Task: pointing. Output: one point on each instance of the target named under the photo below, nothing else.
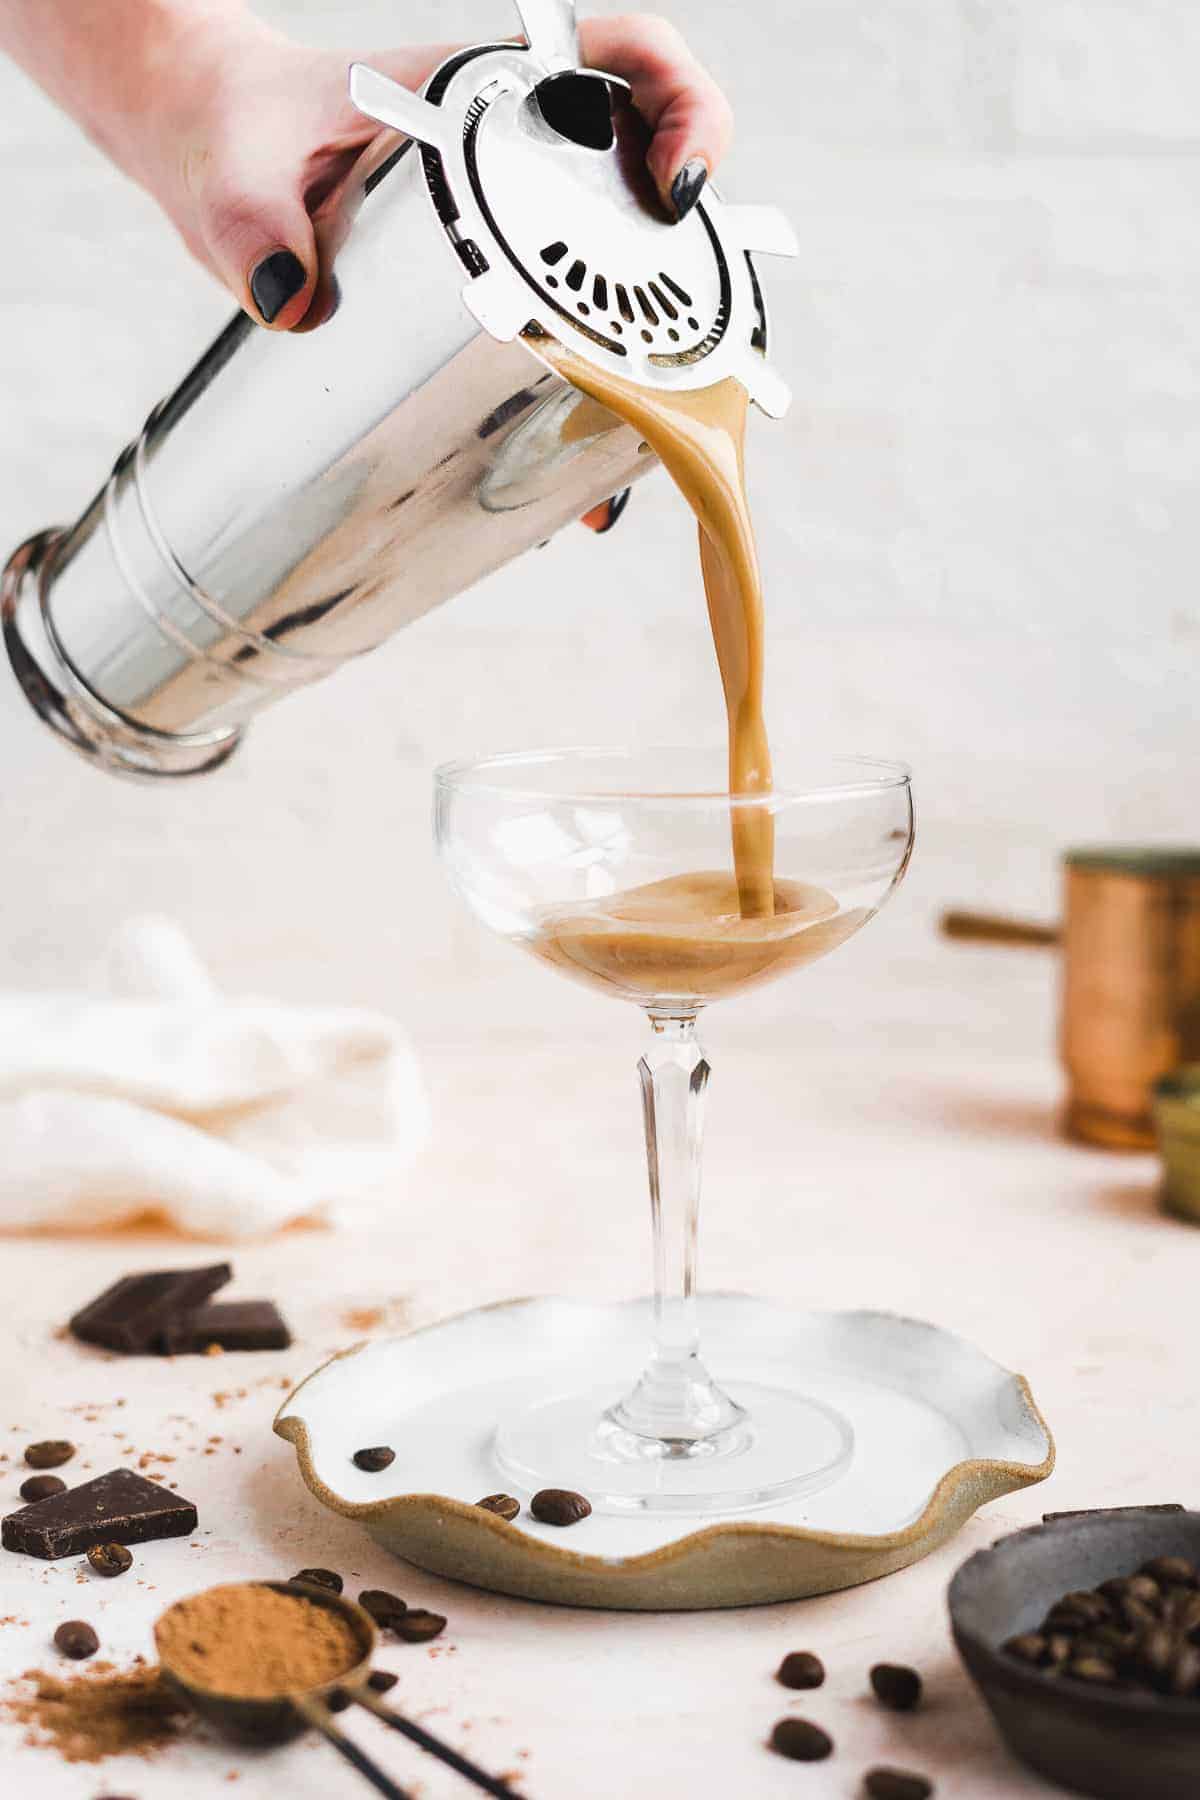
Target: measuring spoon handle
(444, 1752)
(321, 1720)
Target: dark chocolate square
(131, 1315)
(232, 1324)
(118, 1508)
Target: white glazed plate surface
(939, 1430)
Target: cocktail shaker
(298, 498)
(1130, 982)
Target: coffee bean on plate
(896, 1686)
(383, 1607)
(49, 1455)
(559, 1506)
(76, 1639)
(324, 1578)
(374, 1458)
(109, 1559)
(800, 1669)
(381, 1680)
(801, 1740)
(503, 1505)
(416, 1626)
(896, 1784)
(41, 1487)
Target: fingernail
(616, 507)
(688, 185)
(276, 280)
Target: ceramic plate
(939, 1430)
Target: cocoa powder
(102, 1711)
(250, 1642)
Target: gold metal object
(1130, 982)
(1177, 1116)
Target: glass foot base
(785, 1445)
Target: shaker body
(298, 499)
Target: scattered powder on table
(249, 1641)
(101, 1711)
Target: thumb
(263, 248)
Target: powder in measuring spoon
(250, 1642)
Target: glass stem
(676, 1402)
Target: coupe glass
(614, 867)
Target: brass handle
(993, 928)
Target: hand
(249, 133)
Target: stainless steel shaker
(298, 498)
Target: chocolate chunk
(896, 1686)
(559, 1506)
(381, 1680)
(77, 1640)
(40, 1487)
(230, 1325)
(383, 1607)
(503, 1505)
(417, 1627)
(374, 1458)
(801, 1669)
(50, 1455)
(896, 1784)
(324, 1578)
(132, 1315)
(110, 1559)
(801, 1740)
(117, 1508)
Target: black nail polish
(276, 280)
(688, 185)
(616, 507)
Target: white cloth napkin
(228, 1118)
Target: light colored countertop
(932, 1184)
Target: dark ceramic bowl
(1111, 1745)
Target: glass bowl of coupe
(614, 867)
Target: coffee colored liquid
(687, 939)
(700, 439)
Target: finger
(690, 117)
(261, 244)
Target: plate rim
(998, 1475)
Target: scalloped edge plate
(941, 1429)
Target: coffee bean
(417, 1626)
(802, 1741)
(322, 1578)
(110, 1559)
(383, 1607)
(896, 1784)
(338, 1700)
(1171, 1571)
(1187, 1615)
(41, 1487)
(1029, 1646)
(381, 1680)
(1093, 1607)
(1145, 1589)
(559, 1506)
(896, 1686)
(1063, 1617)
(503, 1505)
(374, 1458)
(1136, 1615)
(801, 1669)
(1183, 1676)
(76, 1640)
(50, 1455)
(1058, 1648)
(1154, 1652)
(1092, 1668)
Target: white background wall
(979, 523)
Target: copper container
(1130, 982)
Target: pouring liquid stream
(699, 437)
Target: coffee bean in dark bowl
(1078, 1634)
